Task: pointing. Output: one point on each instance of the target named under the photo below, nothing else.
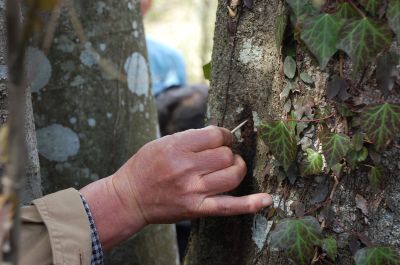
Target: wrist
(115, 216)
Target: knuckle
(216, 134)
(226, 156)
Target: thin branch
(312, 120)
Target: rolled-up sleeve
(55, 230)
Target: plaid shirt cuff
(97, 251)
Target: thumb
(224, 205)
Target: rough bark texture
(94, 108)
(32, 180)
(247, 79)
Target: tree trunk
(247, 79)
(93, 106)
(32, 180)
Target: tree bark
(247, 79)
(93, 106)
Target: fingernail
(266, 202)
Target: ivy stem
(357, 9)
(313, 120)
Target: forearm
(115, 222)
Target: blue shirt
(167, 66)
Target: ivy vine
(364, 31)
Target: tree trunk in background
(94, 108)
(246, 83)
(32, 180)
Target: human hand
(177, 177)
(181, 176)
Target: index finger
(210, 137)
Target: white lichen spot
(73, 120)
(92, 122)
(141, 107)
(135, 34)
(100, 7)
(89, 57)
(137, 72)
(260, 230)
(64, 44)
(57, 143)
(130, 6)
(3, 72)
(251, 54)
(147, 115)
(78, 81)
(103, 47)
(238, 136)
(256, 120)
(134, 24)
(239, 109)
(38, 69)
(109, 115)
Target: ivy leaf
(381, 123)
(377, 256)
(357, 141)
(346, 11)
(320, 34)
(207, 71)
(354, 157)
(393, 16)
(297, 237)
(329, 245)
(372, 6)
(335, 147)
(301, 9)
(371, 38)
(374, 177)
(312, 163)
(280, 26)
(306, 78)
(279, 136)
(289, 67)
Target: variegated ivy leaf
(320, 34)
(372, 6)
(393, 17)
(334, 146)
(363, 39)
(330, 247)
(297, 237)
(346, 11)
(381, 123)
(312, 163)
(281, 140)
(377, 256)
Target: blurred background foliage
(187, 26)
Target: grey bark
(32, 180)
(247, 79)
(93, 107)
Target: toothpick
(239, 126)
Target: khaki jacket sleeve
(55, 230)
